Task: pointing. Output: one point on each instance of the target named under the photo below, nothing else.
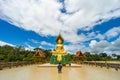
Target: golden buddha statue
(59, 50)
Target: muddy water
(50, 73)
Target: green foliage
(116, 57)
(71, 57)
(47, 54)
(97, 57)
(13, 54)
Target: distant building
(39, 54)
(79, 54)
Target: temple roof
(78, 54)
(39, 54)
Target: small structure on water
(58, 54)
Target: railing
(13, 64)
(106, 64)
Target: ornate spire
(59, 39)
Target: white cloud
(2, 43)
(98, 47)
(44, 17)
(92, 43)
(46, 43)
(100, 36)
(73, 48)
(41, 47)
(29, 47)
(105, 46)
(34, 41)
(88, 12)
(115, 46)
(113, 32)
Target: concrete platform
(55, 66)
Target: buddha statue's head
(59, 39)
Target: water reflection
(59, 76)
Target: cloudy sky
(92, 25)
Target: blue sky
(20, 37)
(92, 26)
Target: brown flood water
(50, 73)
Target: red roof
(39, 54)
(78, 54)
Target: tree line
(18, 54)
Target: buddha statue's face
(59, 41)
